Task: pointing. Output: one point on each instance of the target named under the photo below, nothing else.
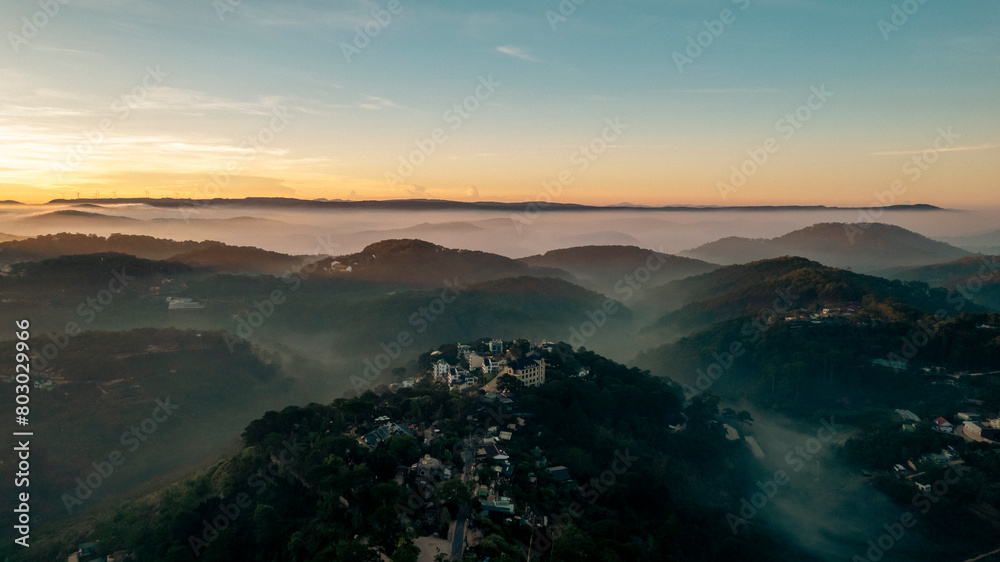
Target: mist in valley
(826, 506)
(818, 501)
(515, 234)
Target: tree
(573, 544)
(356, 552)
(520, 347)
(496, 547)
(388, 494)
(406, 553)
(404, 449)
(453, 492)
(744, 417)
(704, 407)
(486, 475)
(386, 529)
(509, 383)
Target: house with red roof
(943, 425)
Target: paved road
(458, 535)
(458, 538)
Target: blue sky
(357, 123)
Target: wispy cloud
(374, 102)
(517, 52)
(62, 51)
(52, 102)
(192, 102)
(948, 149)
(12, 110)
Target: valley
(224, 334)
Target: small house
(943, 425)
(559, 473)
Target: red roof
(941, 421)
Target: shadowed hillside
(861, 246)
(976, 278)
(779, 287)
(208, 254)
(604, 268)
(415, 262)
(102, 384)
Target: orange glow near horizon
(121, 99)
(627, 178)
(695, 176)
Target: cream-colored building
(529, 369)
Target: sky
(728, 102)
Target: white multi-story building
(493, 365)
(460, 378)
(441, 369)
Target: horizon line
(533, 206)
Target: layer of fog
(826, 506)
(831, 511)
(514, 234)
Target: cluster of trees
(299, 491)
(346, 311)
(304, 489)
(810, 370)
(640, 491)
(952, 511)
(92, 268)
(740, 290)
(880, 445)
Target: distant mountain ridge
(207, 254)
(987, 242)
(866, 247)
(55, 217)
(432, 204)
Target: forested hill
(623, 485)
